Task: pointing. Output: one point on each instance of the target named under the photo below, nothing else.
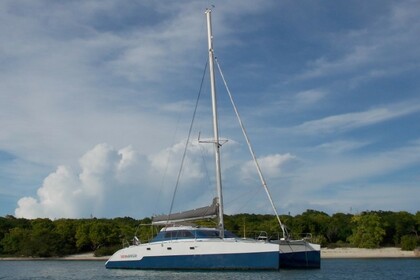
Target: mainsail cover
(190, 215)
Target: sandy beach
(86, 256)
(366, 253)
(78, 257)
(337, 253)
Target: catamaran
(182, 246)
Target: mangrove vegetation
(53, 238)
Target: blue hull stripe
(310, 259)
(249, 261)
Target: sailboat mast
(215, 123)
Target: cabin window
(184, 234)
(148, 249)
(168, 234)
(207, 233)
(169, 248)
(178, 234)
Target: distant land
(368, 234)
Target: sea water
(331, 269)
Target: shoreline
(337, 253)
(361, 253)
(77, 257)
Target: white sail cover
(190, 215)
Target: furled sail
(190, 215)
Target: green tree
(405, 225)
(83, 242)
(9, 222)
(44, 242)
(339, 228)
(15, 242)
(5, 226)
(66, 234)
(417, 226)
(409, 242)
(99, 234)
(396, 225)
(311, 222)
(369, 232)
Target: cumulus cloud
(168, 161)
(104, 172)
(272, 165)
(75, 74)
(117, 182)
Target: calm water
(331, 269)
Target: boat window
(169, 234)
(213, 234)
(178, 234)
(207, 234)
(185, 233)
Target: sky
(97, 97)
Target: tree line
(53, 238)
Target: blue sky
(96, 98)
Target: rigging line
(186, 145)
(202, 151)
(267, 191)
(167, 163)
(251, 194)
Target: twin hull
(299, 254)
(227, 254)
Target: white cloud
(355, 198)
(310, 97)
(349, 121)
(381, 48)
(60, 92)
(301, 101)
(114, 182)
(340, 181)
(56, 198)
(168, 161)
(348, 63)
(65, 193)
(74, 74)
(341, 146)
(332, 171)
(272, 165)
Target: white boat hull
(199, 254)
(232, 254)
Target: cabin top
(188, 232)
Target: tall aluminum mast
(215, 123)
